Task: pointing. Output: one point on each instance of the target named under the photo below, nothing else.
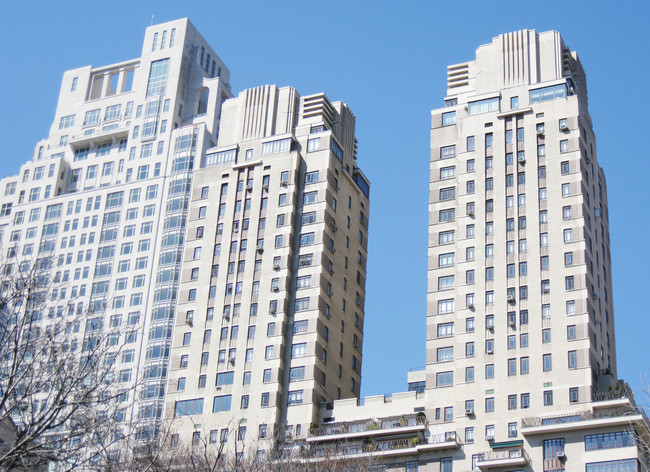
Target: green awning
(501, 445)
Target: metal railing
(614, 394)
(580, 416)
(388, 423)
(500, 455)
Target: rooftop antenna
(151, 21)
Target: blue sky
(387, 60)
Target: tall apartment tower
(520, 317)
(272, 288)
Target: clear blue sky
(387, 60)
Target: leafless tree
(168, 453)
(59, 397)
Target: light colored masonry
(227, 244)
(521, 360)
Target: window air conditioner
(521, 159)
(470, 306)
(249, 187)
(489, 325)
(272, 311)
(512, 324)
(564, 127)
(265, 187)
(511, 298)
(470, 214)
(232, 361)
(275, 289)
(489, 436)
(284, 183)
(469, 411)
(540, 132)
(546, 290)
(560, 455)
(276, 266)
(490, 351)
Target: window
(614, 440)
(489, 405)
(446, 306)
(564, 145)
(449, 118)
(564, 168)
(512, 402)
(512, 367)
(569, 282)
(571, 332)
(445, 330)
(446, 282)
(548, 397)
(447, 172)
(444, 379)
(489, 371)
(547, 363)
(524, 367)
(470, 143)
(568, 235)
(469, 374)
(566, 190)
(546, 335)
(448, 193)
(444, 237)
(222, 403)
(447, 215)
(512, 430)
(446, 260)
(447, 152)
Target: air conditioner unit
(512, 324)
(470, 306)
(232, 361)
(469, 411)
(276, 266)
(490, 325)
(226, 317)
(511, 298)
(470, 214)
(564, 127)
(560, 455)
(489, 436)
(272, 311)
(540, 131)
(334, 228)
(284, 183)
(490, 351)
(249, 187)
(188, 321)
(265, 187)
(275, 289)
(521, 159)
(260, 248)
(546, 290)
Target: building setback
(520, 352)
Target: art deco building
(270, 307)
(521, 360)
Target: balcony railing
(580, 416)
(614, 394)
(501, 455)
(360, 427)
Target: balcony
(386, 447)
(94, 136)
(508, 458)
(583, 420)
(345, 431)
